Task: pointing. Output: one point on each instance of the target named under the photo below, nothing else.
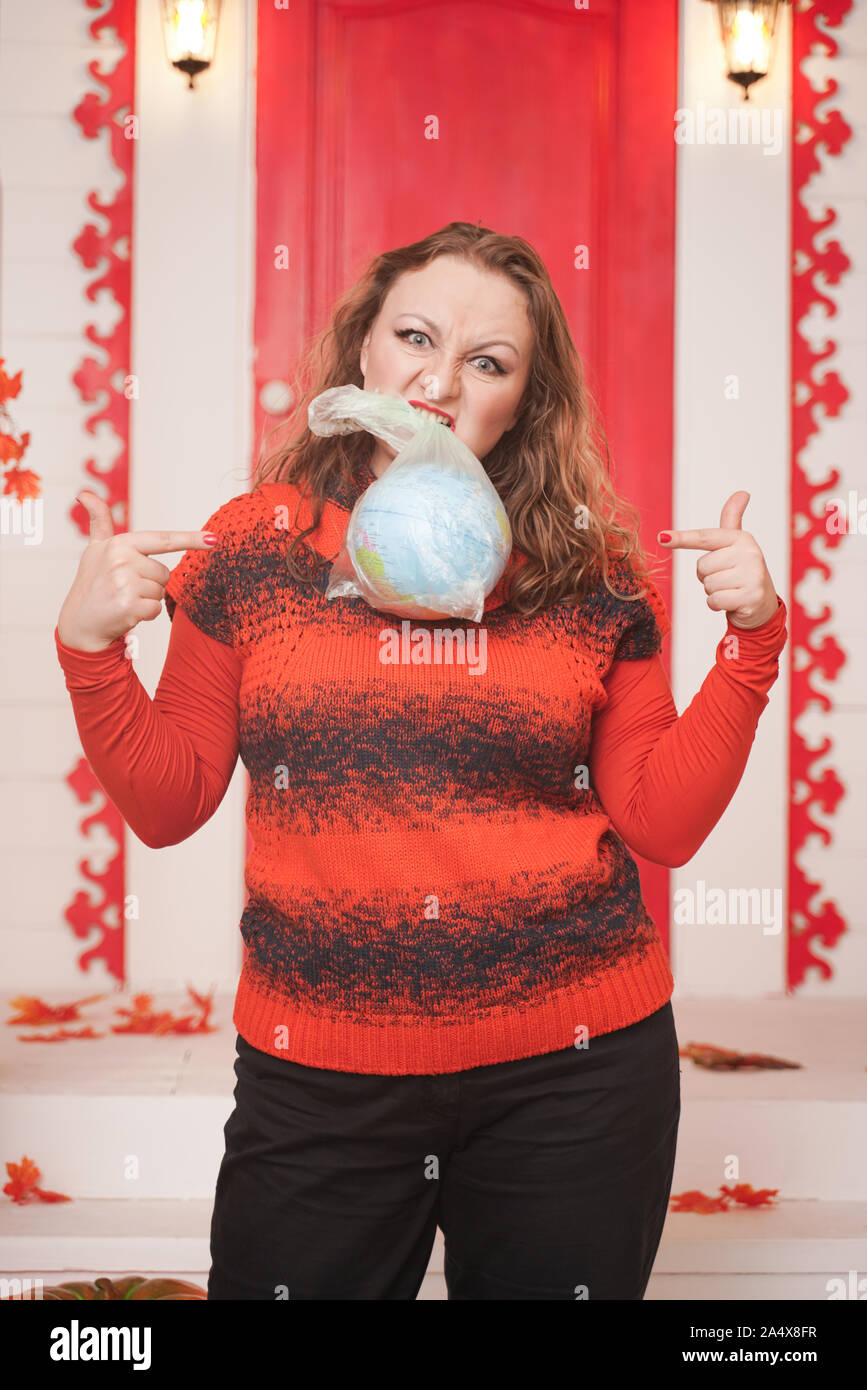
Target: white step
(794, 1251)
(142, 1117)
(801, 1131)
(95, 1115)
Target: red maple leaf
(727, 1059)
(141, 1018)
(698, 1202)
(745, 1194)
(60, 1035)
(22, 1187)
(9, 385)
(33, 1010)
(23, 482)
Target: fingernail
(664, 537)
(209, 538)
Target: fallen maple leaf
(60, 1035)
(204, 1001)
(32, 1010)
(22, 1186)
(743, 1194)
(698, 1202)
(726, 1059)
(142, 1019)
(746, 1195)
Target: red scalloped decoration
(96, 380)
(816, 394)
(105, 913)
(107, 249)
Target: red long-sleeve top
(441, 873)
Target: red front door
(379, 122)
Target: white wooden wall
(732, 299)
(733, 318)
(191, 336)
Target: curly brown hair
(548, 468)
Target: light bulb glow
(750, 41)
(190, 20)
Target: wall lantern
(747, 28)
(190, 30)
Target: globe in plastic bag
(430, 538)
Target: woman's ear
(362, 360)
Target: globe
(425, 538)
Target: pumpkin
(132, 1287)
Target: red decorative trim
(810, 655)
(103, 382)
(106, 914)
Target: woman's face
(457, 338)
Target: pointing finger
(707, 538)
(161, 542)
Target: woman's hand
(117, 585)
(734, 575)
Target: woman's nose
(440, 384)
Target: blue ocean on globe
(422, 534)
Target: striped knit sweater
(441, 873)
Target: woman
(455, 1008)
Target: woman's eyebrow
(492, 342)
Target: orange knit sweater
(440, 874)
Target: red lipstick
(435, 410)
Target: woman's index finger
(706, 538)
(161, 542)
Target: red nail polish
(209, 538)
(664, 537)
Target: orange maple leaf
(60, 1035)
(22, 481)
(142, 1019)
(743, 1193)
(727, 1059)
(204, 1001)
(748, 1196)
(698, 1202)
(22, 1186)
(33, 1010)
(9, 385)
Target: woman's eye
(407, 333)
(494, 368)
(499, 370)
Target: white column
(191, 440)
(732, 330)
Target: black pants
(549, 1176)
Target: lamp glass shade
(190, 31)
(747, 28)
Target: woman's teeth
(432, 414)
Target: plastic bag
(428, 539)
